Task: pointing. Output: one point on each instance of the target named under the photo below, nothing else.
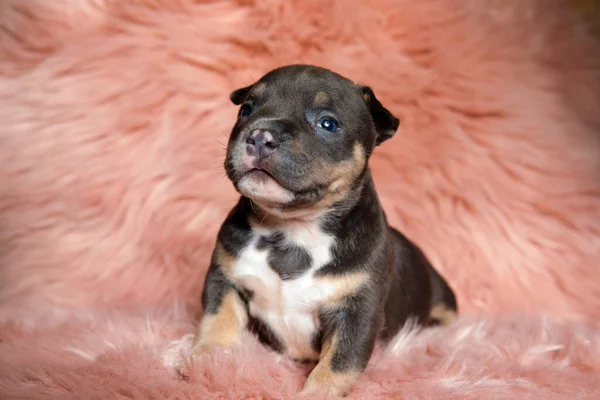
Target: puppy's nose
(261, 143)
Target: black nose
(261, 143)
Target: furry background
(114, 119)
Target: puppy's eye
(245, 110)
(328, 124)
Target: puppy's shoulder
(407, 252)
(235, 232)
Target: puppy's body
(306, 258)
(277, 271)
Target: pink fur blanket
(114, 115)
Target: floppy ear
(237, 96)
(385, 123)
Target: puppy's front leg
(225, 316)
(349, 336)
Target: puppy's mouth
(260, 185)
(262, 174)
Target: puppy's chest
(278, 268)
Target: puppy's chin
(263, 189)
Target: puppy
(306, 258)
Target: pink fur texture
(110, 355)
(114, 116)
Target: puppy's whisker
(263, 219)
(221, 143)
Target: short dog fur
(306, 258)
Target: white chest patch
(288, 307)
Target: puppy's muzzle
(261, 143)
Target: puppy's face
(303, 138)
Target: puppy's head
(303, 138)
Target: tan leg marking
(223, 259)
(225, 328)
(343, 286)
(443, 314)
(324, 380)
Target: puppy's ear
(238, 95)
(385, 123)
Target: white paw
(174, 356)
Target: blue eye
(328, 124)
(245, 110)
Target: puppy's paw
(183, 362)
(182, 365)
(312, 389)
(172, 357)
(325, 382)
(326, 392)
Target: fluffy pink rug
(123, 356)
(113, 118)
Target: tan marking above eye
(321, 98)
(259, 88)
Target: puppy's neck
(363, 191)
